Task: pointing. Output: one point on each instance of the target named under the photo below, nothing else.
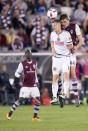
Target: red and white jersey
(75, 31)
(60, 41)
(28, 72)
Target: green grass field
(70, 118)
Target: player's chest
(29, 68)
(59, 40)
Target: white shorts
(73, 60)
(27, 92)
(60, 65)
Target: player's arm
(69, 41)
(53, 50)
(36, 73)
(52, 44)
(79, 36)
(18, 74)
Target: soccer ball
(52, 13)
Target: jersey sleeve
(78, 30)
(68, 38)
(19, 70)
(36, 77)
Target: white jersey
(60, 41)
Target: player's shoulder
(23, 62)
(72, 23)
(53, 33)
(65, 33)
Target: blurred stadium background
(24, 24)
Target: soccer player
(77, 39)
(61, 44)
(28, 70)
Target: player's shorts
(60, 64)
(28, 92)
(73, 60)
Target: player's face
(28, 55)
(64, 23)
(57, 26)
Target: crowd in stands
(24, 23)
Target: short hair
(64, 16)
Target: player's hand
(74, 49)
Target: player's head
(28, 54)
(57, 25)
(64, 19)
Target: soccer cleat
(36, 119)
(61, 100)
(8, 115)
(54, 100)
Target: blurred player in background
(61, 44)
(28, 70)
(77, 39)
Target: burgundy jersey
(29, 73)
(72, 30)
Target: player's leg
(14, 107)
(54, 88)
(60, 82)
(74, 84)
(35, 94)
(74, 81)
(65, 89)
(24, 93)
(56, 65)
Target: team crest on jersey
(58, 39)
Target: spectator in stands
(17, 45)
(42, 8)
(39, 35)
(21, 33)
(85, 25)
(29, 29)
(1, 5)
(49, 3)
(79, 14)
(18, 18)
(85, 31)
(45, 97)
(3, 41)
(22, 5)
(11, 35)
(41, 3)
(6, 16)
(31, 6)
(4, 84)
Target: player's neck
(29, 60)
(59, 31)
